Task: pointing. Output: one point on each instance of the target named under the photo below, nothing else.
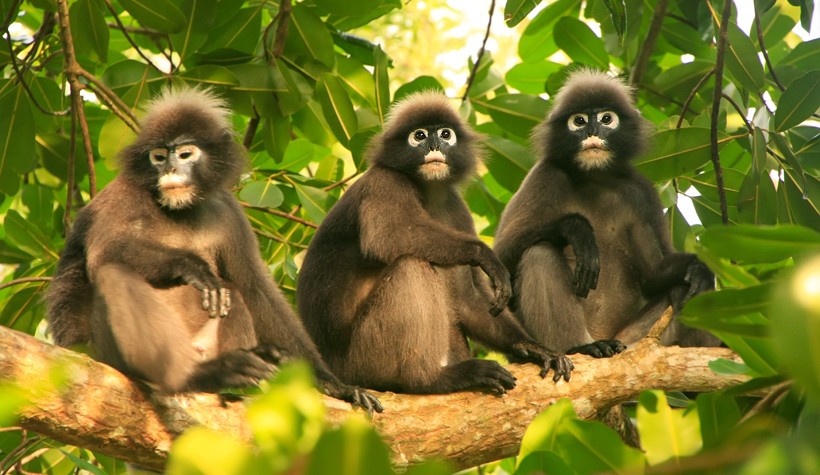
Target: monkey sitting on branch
(161, 272)
(585, 239)
(392, 284)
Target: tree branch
(474, 70)
(102, 410)
(721, 51)
(649, 45)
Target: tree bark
(100, 409)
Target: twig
(692, 96)
(250, 132)
(279, 239)
(764, 51)
(649, 44)
(768, 401)
(111, 99)
(128, 37)
(24, 280)
(661, 325)
(341, 182)
(721, 51)
(740, 112)
(282, 27)
(474, 70)
(279, 213)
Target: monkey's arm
(679, 269)
(394, 224)
(571, 229)
(69, 294)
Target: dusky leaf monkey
(162, 271)
(585, 239)
(393, 281)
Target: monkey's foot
(599, 349)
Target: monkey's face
(175, 166)
(432, 146)
(593, 130)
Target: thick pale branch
(102, 410)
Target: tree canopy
(735, 158)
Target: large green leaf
(200, 17)
(309, 36)
(262, 193)
(676, 152)
(757, 200)
(748, 243)
(543, 430)
(315, 201)
(336, 108)
(515, 113)
(16, 139)
(591, 448)
(88, 28)
(300, 153)
(357, 79)
(775, 26)
(28, 237)
(742, 60)
(800, 100)
(240, 33)
(531, 78)
(162, 15)
(580, 43)
(538, 42)
(666, 433)
(421, 83)
(718, 416)
(128, 73)
(211, 75)
(381, 83)
(729, 303)
(805, 56)
(353, 449)
(509, 162)
(517, 10)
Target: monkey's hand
(699, 278)
(545, 358)
(357, 397)
(581, 237)
(499, 278)
(195, 272)
(598, 349)
(234, 369)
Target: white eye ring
(189, 152)
(416, 137)
(447, 135)
(577, 122)
(158, 155)
(608, 119)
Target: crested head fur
(187, 115)
(427, 108)
(587, 89)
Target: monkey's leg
(549, 307)
(142, 330)
(400, 337)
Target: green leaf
(543, 430)
(800, 100)
(543, 461)
(262, 193)
(128, 73)
(530, 78)
(718, 417)
(381, 83)
(211, 75)
(28, 237)
(742, 60)
(276, 135)
(728, 303)
(538, 42)
(757, 200)
(591, 447)
(679, 80)
(728, 367)
(617, 13)
(88, 28)
(200, 17)
(315, 201)
(517, 10)
(580, 43)
(666, 434)
(240, 33)
(676, 152)
(752, 244)
(224, 453)
(353, 449)
(308, 35)
(805, 56)
(336, 108)
(515, 113)
(16, 139)
(162, 15)
(509, 162)
(300, 153)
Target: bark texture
(100, 409)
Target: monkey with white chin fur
(585, 238)
(394, 280)
(161, 272)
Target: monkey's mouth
(434, 157)
(435, 166)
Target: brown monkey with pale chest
(392, 284)
(162, 271)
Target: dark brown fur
(126, 278)
(390, 288)
(589, 250)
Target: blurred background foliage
(311, 81)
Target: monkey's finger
(224, 302)
(206, 299)
(213, 303)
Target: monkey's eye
(577, 121)
(158, 155)
(188, 152)
(608, 119)
(416, 137)
(447, 135)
